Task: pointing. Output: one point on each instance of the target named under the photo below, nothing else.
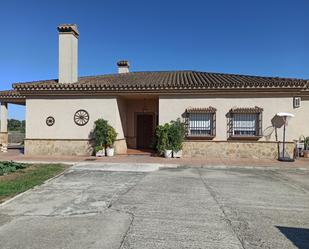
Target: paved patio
(97, 207)
(302, 163)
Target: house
(227, 115)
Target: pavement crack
(132, 216)
(214, 196)
(117, 195)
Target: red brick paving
(15, 155)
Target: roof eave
(166, 91)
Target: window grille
(201, 122)
(245, 122)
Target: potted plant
(110, 139)
(163, 142)
(105, 136)
(100, 134)
(168, 153)
(176, 135)
(99, 151)
(306, 147)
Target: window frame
(197, 111)
(245, 111)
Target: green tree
(16, 125)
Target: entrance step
(137, 152)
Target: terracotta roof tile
(255, 109)
(11, 94)
(165, 80)
(209, 109)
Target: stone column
(4, 123)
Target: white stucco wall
(172, 107)
(4, 117)
(63, 110)
(68, 58)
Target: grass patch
(7, 167)
(26, 178)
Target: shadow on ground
(298, 236)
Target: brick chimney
(68, 53)
(123, 66)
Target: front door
(144, 131)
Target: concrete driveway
(93, 206)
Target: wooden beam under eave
(15, 101)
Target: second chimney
(123, 66)
(68, 52)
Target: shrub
(7, 167)
(111, 136)
(163, 141)
(170, 136)
(104, 134)
(98, 148)
(100, 132)
(177, 133)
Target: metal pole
(283, 151)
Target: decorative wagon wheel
(50, 121)
(81, 117)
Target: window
(296, 102)
(245, 122)
(200, 122)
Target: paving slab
(77, 232)
(267, 209)
(75, 192)
(171, 208)
(70, 211)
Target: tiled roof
(209, 109)
(11, 94)
(255, 109)
(123, 63)
(68, 28)
(165, 80)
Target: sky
(254, 37)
